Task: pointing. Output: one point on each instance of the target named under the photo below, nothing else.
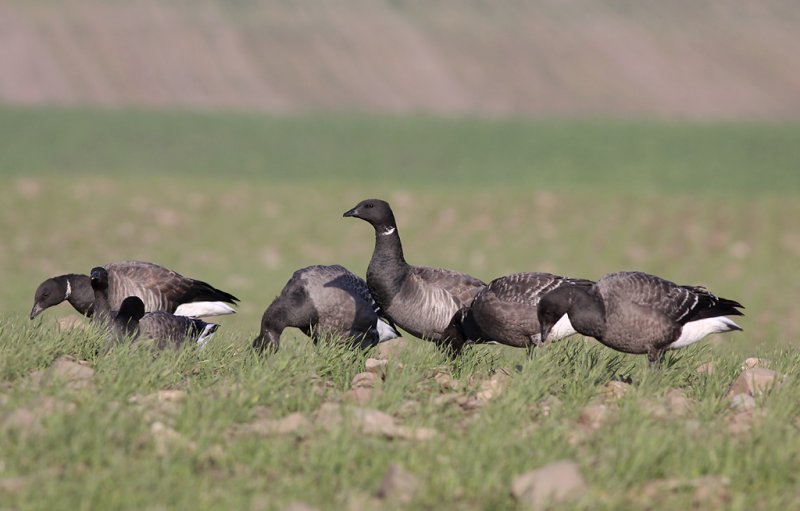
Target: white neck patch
(389, 231)
(69, 290)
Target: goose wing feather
(159, 288)
(678, 303)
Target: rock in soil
(553, 483)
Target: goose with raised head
(324, 301)
(505, 312)
(635, 312)
(132, 322)
(418, 299)
(159, 288)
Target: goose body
(418, 299)
(132, 322)
(635, 312)
(505, 311)
(324, 301)
(159, 288)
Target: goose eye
(368, 205)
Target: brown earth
(682, 58)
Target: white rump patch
(203, 309)
(385, 331)
(693, 331)
(562, 328)
(389, 231)
(208, 333)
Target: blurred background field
(244, 200)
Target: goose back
(159, 288)
(323, 301)
(505, 310)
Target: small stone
(743, 402)
(391, 349)
(398, 485)
(408, 407)
(751, 362)
(740, 424)
(159, 406)
(708, 492)
(294, 423)
(494, 386)
(376, 366)
(616, 390)
(12, 485)
(706, 368)
(753, 381)
(76, 374)
(361, 395)
(413, 433)
(594, 415)
(553, 483)
(446, 399)
(172, 396)
(446, 380)
(329, 415)
(374, 422)
(167, 439)
(22, 419)
(677, 403)
(369, 421)
(364, 380)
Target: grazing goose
(635, 312)
(324, 301)
(418, 299)
(505, 312)
(132, 322)
(159, 288)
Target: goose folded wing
(681, 304)
(529, 288)
(159, 288)
(461, 287)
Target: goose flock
(631, 312)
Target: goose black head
(131, 307)
(552, 308)
(126, 323)
(49, 293)
(375, 211)
(268, 340)
(99, 277)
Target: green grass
(101, 453)
(592, 155)
(242, 201)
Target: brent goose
(505, 312)
(636, 312)
(159, 288)
(131, 322)
(418, 299)
(324, 301)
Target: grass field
(242, 201)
